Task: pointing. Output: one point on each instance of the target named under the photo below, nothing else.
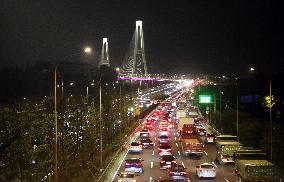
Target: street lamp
(237, 94)
(221, 111)
(86, 50)
(101, 132)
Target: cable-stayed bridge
(134, 62)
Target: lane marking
(154, 144)
(155, 138)
(205, 152)
(214, 164)
(178, 152)
(153, 152)
(226, 180)
(174, 133)
(119, 166)
(151, 164)
(182, 164)
(150, 179)
(175, 138)
(176, 144)
(188, 180)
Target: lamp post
(270, 118)
(237, 95)
(55, 123)
(221, 111)
(101, 132)
(86, 50)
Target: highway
(151, 161)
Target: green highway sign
(203, 99)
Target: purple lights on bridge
(140, 79)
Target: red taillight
(174, 162)
(183, 173)
(127, 164)
(163, 161)
(138, 164)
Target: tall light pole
(101, 128)
(87, 50)
(55, 123)
(270, 118)
(221, 111)
(237, 93)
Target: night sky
(181, 36)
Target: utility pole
(270, 118)
(221, 111)
(55, 127)
(237, 89)
(101, 128)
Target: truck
(180, 113)
(192, 113)
(184, 121)
(226, 146)
(191, 144)
(181, 104)
(251, 165)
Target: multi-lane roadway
(151, 163)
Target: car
(168, 179)
(135, 147)
(152, 121)
(210, 138)
(200, 131)
(164, 139)
(164, 131)
(146, 143)
(148, 126)
(144, 133)
(167, 161)
(134, 165)
(161, 179)
(177, 172)
(127, 177)
(165, 149)
(206, 170)
(164, 122)
(164, 126)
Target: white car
(135, 147)
(127, 177)
(134, 165)
(206, 170)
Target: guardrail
(209, 125)
(117, 155)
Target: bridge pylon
(104, 58)
(134, 63)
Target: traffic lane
(224, 173)
(149, 155)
